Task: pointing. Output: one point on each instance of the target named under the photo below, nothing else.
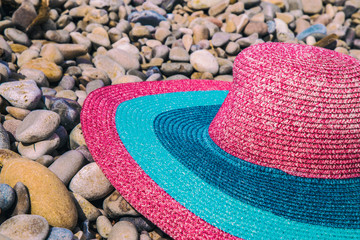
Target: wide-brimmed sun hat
(273, 155)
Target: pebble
(204, 61)
(76, 137)
(86, 211)
(26, 56)
(123, 230)
(232, 49)
(219, 39)
(116, 206)
(161, 34)
(68, 110)
(126, 60)
(4, 138)
(178, 54)
(200, 33)
(38, 149)
(127, 79)
(57, 233)
(147, 17)
(25, 227)
(140, 223)
(17, 36)
(90, 183)
(67, 82)
(67, 165)
(317, 30)
(18, 113)
(7, 197)
(45, 160)
(22, 200)
(38, 125)
(50, 69)
(103, 226)
(256, 27)
(24, 15)
(52, 53)
(49, 197)
(36, 75)
(99, 37)
(169, 69)
(10, 126)
(71, 51)
(23, 94)
(69, 94)
(113, 69)
(312, 6)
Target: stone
(67, 165)
(127, 79)
(220, 39)
(76, 138)
(85, 152)
(269, 10)
(4, 138)
(116, 206)
(57, 233)
(69, 94)
(96, 74)
(160, 52)
(36, 75)
(139, 32)
(45, 160)
(113, 69)
(96, 16)
(10, 127)
(50, 69)
(49, 197)
(23, 94)
(38, 125)
(93, 85)
(140, 223)
(58, 36)
(127, 61)
(148, 5)
(301, 25)
(18, 113)
(147, 17)
(78, 38)
(162, 33)
(204, 61)
(24, 15)
(123, 230)
(169, 69)
(200, 32)
(256, 27)
(99, 37)
(38, 149)
(67, 82)
(52, 53)
(7, 197)
(90, 183)
(240, 22)
(17, 36)
(232, 49)
(179, 54)
(154, 77)
(68, 110)
(85, 209)
(317, 30)
(312, 6)
(26, 56)
(23, 200)
(286, 17)
(103, 226)
(71, 51)
(355, 53)
(177, 76)
(25, 227)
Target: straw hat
(273, 155)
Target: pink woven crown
(295, 108)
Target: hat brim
(150, 140)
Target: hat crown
(295, 108)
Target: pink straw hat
(274, 155)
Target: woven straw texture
(295, 108)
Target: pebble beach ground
(54, 53)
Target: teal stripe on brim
(134, 122)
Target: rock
(123, 231)
(232, 49)
(67, 165)
(113, 69)
(162, 33)
(140, 223)
(103, 226)
(25, 227)
(67, 82)
(71, 51)
(50, 69)
(4, 138)
(220, 39)
(269, 10)
(7, 197)
(139, 32)
(58, 36)
(18, 113)
(126, 60)
(200, 32)
(23, 199)
(68, 110)
(160, 52)
(317, 30)
(256, 27)
(4, 71)
(52, 53)
(96, 74)
(218, 8)
(127, 79)
(22, 94)
(24, 15)
(10, 127)
(57, 233)
(202, 4)
(38, 125)
(178, 54)
(99, 37)
(90, 183)
(85, 209)
(312, 6)
(69, 94)
(17, 36)
(147, 17)
(226, 78)
(240, 22)
(78, 38)
(45, 160)
(49, 197)
(204, 61)
(76, 137)
(116, 206)
(177, 76)
(85, 152)
(38, 149)
(99, 16)
(154, 77)
(131, 49)
(36, 75)
(26, 56)
(176, 68)
(93, 85)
